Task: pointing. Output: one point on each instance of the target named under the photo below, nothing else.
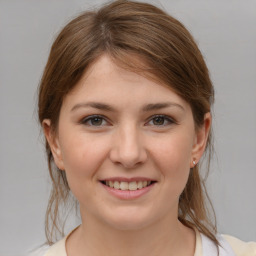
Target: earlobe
(53, 142)
(201, 139)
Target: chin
(129, 220)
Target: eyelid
(171, 120)
(84, 120)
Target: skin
(128, 140)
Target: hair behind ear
(193, 211)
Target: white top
(230, 246)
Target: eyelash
(88, 119)
(167, 120)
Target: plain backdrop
(226, 33)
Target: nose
(128, 148)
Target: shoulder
(240, 247)
(209, 248)
(40, 251)
(229, 246)
(57, 249)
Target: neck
(166, 237)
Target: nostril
(128, 152)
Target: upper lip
(127, 179)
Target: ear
(201, 138)
(53, 142)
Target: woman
(125, 105)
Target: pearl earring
(194, 163)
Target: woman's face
(119, 129)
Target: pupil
(96, 121)
(158, 120)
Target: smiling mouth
(128, 186)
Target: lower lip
(128, 194)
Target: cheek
(82, 157)
(173, 156)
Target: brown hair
(124, 30)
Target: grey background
(226, 33)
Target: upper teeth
(123, 185)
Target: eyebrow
(97, 105)
(146, 108)
(157, 106)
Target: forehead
(107, 81)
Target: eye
(94, 120)
(160, 120)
